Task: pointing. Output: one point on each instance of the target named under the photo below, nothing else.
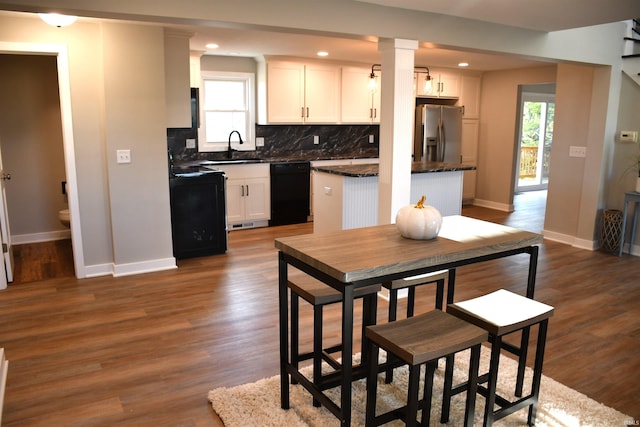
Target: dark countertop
(364, 170)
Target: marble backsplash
(290, 142)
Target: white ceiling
(543, 15)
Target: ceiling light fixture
(463, 64)
(57, 20)
(212, 46)
(323, 53)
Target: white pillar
(396, 126)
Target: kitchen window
(227, 105)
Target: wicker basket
(611, 231)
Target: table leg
(533, 266)
(624, 228)
(633, 226)
(284, 323)
(347, 352)
(451, 284)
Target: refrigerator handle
(441, 140)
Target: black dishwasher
(290, 192)
(198, 214)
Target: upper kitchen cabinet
(470, 96)
(302, 93)
(177, 78)
(444, 84)
(360, 102)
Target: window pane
(219, 125)
(224, 95)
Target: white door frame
(64, 87)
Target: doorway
(64, 89)
(535, 136)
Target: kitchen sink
(230, 162)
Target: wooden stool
(418, 340)
(501, 313)
(318, 295)
(411, 283)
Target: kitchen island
(346, 196)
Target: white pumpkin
(418, 221)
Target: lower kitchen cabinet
(248, 195)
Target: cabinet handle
(247, 190)
(375, 113)
(307, 112)
(242, 186)
(302, 112)
(371, 113)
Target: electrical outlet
(191, 143)
(123, 156)
(316, 140)
(371, 139)
(260, 141)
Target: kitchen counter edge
(365, 170)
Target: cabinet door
(375, 101)
(257, 199)
(470, 96)
(285, 92)
(449, 86)
(356, 95)
(235, 201)
(322, 93)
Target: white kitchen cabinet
(303, 93)
(177, 79)
(444, 84)
(359, 102)
(470, 96)
(469, 152)
(248, 195)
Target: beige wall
(497, 139)
(31, 144)
(117, 101)
(117, 97)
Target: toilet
(64, 217)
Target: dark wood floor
(144, 350)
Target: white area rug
(258, 404)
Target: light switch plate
(316, 139)
(123, 156)
(577, 151)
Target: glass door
(535, 138)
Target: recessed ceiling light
(323, 53)
(463, 64)
(212, 46)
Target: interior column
(396, 126)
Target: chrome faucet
(229, 149)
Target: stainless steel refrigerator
(438, 133)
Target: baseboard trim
(144, 267)
(589, 245)
(493, 205)
(21, 239)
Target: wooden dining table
(348, 259)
